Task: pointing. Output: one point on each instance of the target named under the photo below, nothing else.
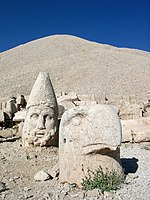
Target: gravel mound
(75, 65)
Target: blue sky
(122, 23)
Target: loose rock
(2, 186)
(42, 176)
(54, 172)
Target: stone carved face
(92, 128)
(89, 137)
(39, 125)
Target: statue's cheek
(31, 123)
(49, 124)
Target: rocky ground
(18, 167)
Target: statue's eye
(76, 121)
(47, 117)
(34, 116)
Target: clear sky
(122, 23)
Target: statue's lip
(40, 133)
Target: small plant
(16, 128)
(107, 181)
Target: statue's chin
(40, 137)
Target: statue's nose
(41, 123)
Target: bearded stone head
(41, 121)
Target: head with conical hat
(42, 92)
(41, 120)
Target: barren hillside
(75, 65)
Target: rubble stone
(41, 176)
(1, 116)
(19, 116)
(136, 130)
(2, 186)
(54, 171)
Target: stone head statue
(11, 108)
(21, 102)
(40, 126)
(89, 138)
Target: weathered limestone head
(90, 136)
(40, 126)
(11, 108)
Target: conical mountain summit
(75, 65)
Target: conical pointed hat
(42, 92)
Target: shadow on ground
(129, 165)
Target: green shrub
(107, 181)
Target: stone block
(1, 116)
(84, 103)
(67, 97)
(89, 97)
(136, 130)
(19, 116)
